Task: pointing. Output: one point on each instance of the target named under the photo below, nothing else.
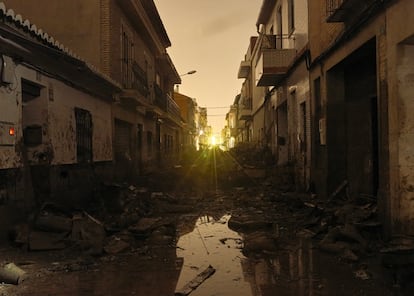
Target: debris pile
(348, 228)
(127, 218)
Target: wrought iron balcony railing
(172, 107)
(140, 81)
(166, 103)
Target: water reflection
(296, 268)
(130, 276)
(213, 243)
(289, 271)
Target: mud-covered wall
(10, 117)
(54, 111)
(405, 76)
(297, 85)
(400, 66)
(63, 125)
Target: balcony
(172, 107)
(245, 109)
(341, 10)
(245, 115)
(166, 103)
(160, 98)
(244, 69)
(140, 81)
(273, 66)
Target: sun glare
(213, 141)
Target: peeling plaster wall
(405, 85)
(400, 72)
(50, 167)
(63, 125)
(54, 110)
(10, 112)
(299, 139)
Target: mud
(260, 241)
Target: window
(127, 52)
(31, 112)
(83, 135)
(291, 15)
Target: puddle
(294, 269)
(213, 243)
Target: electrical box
(322, 131)
(7, 134)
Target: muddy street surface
(207, 227)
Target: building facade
(277, 85)
(360, 68)
(55, 122)
(188, 108)
(127, 41)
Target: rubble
(244, 222)
(88, 233)
(53, 223)
(46, 241)
(116, 245)
(144, 226)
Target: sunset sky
(211, 37)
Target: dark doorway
(352, 127)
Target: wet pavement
(213, 215)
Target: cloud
(222, 24)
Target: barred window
(83, 135)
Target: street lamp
(181, 75)
(189, 73)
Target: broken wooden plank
(343, 185)
(197, 281)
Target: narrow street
(208, 218)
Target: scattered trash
(196, 282)
(12, 274)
